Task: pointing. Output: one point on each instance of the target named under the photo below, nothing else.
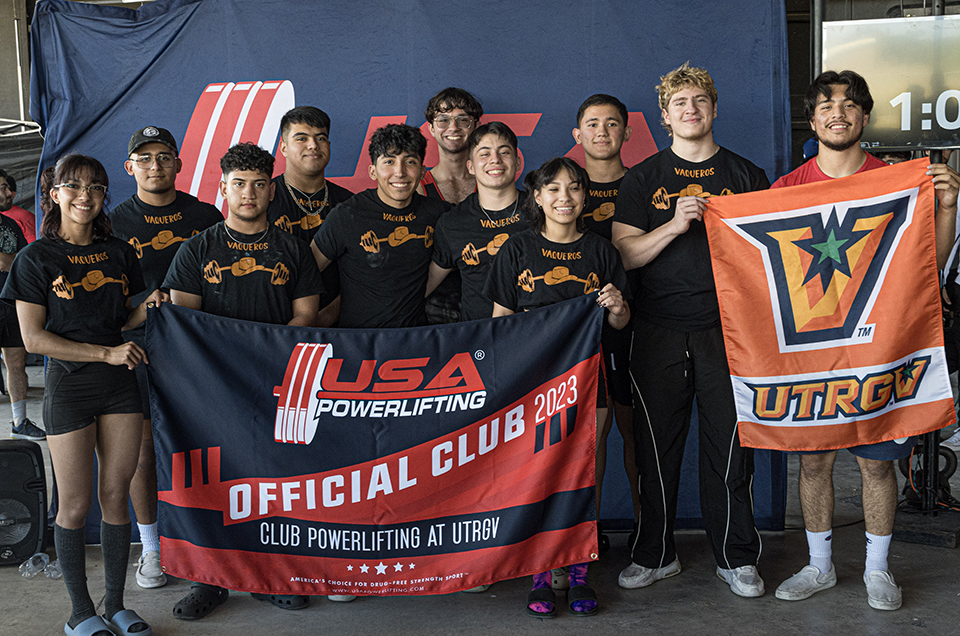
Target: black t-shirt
(384, 256)
(11, 242)
(531, 271)
(468, 238)
(156, 233)
(85, 288)
(676, 289)
(601, 207)
(294, 219)
(290, 217)
(247, 276)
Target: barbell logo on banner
(313, 387)
(823, 264)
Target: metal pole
(816, 36)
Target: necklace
(310, 211)
(258, 239)
(486, 214)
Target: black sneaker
(27, 430)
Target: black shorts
(137, 336)
(71, 400)
(615, 370)
(10, 329)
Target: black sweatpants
(669, 368)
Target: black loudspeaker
(23, 501)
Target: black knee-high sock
(115, 544)
(72, 556)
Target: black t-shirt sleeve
(26, 281)
(631, 207)
(309, 282)
(183, 272)
(442, 249)
(501, 286)
(759, 180)
(329, 238)
(11, 236)
(134, 271)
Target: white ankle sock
(19, 411)
(878, 547)
(149, 537)
(821, 549)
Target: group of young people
(299, 250)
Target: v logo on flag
(825, 266)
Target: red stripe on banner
(490, 464)
(411, 576)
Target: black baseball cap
(151, 134)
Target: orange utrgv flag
(830, 305)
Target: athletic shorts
(71, 400)
(10, 329)
(137, 336)
(889, 451)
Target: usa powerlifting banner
(392, 462)
(830, 305)
(215, 72)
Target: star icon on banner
(829, 246)
(349, 568)
(397, 567)
(910, 368)
(364, 568)
(381, 569)
(412, 566)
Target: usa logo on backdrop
(227, 113)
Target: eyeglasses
(462, 121)
(163, 159)
(95, 190)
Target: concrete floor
(694, 602)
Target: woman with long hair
(569, 261)
(72, 289)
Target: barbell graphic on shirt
(603, 213)
(93, 280)
(371, 243)
(305, 223)
(279, 275)
(163, 239)
(471, 255)
(557, 275)
(661, 200)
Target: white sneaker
(954, 442)
(744, 581)
(341, 598)
(806, 583)
(634, 576)
(149, 572)
(477, 590)
(883, 593)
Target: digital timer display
(911, 66)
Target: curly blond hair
(678, 79)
